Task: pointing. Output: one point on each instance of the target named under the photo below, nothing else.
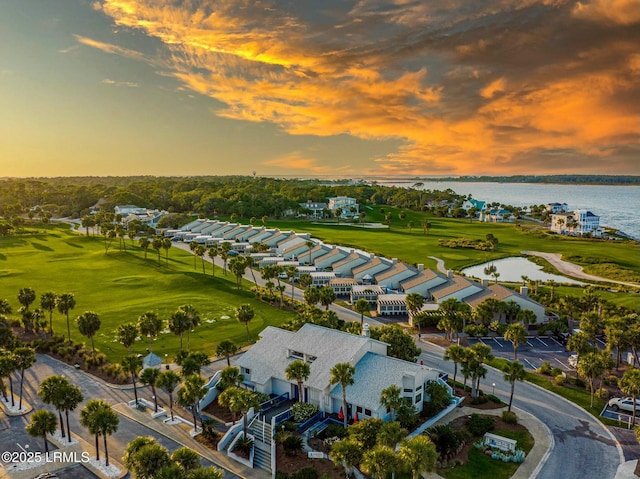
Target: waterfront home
(369, 292)
(392, 277)
(554, 208)
(367, 271)
(423, 282)
(472, 203)
(577, 222)
(317, 210)
(264, 365)
(496, 216)
(391, 304)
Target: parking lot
(533, 353)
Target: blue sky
(345, 88)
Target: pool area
(514, 268)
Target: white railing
(212, 392)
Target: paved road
(583, 447)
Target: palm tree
(414, 301)
(179, 324)
(89, 324)
(51, 392)
(48, 302)
(43, 422)
(238, 266)
(199, 251)
(299, 372)
(327, 296)
(25, 358)
(309, 244)
(166, 246)
(630, 385)
(168, 381)
(8, 365)
(193, 319)
(132, 364)
(458, 355)
(190, 393)
(517, 335)
(362, 306)
(512, 373)
(227, 348)
(126, 335)
(26, 296)
(391, 399)
(291, 272)
(150, 376)
(224, 254)
(343, 374)
(156, 244)
(150, 326)
(239, 400)
(66, 302)
(186, 459)
(213, 252)
(379, 461)
(89, 418)
(71, 398)
(418, 454)
(144, 243)
(244, 315)
(347, 452)
(193, 246)
(107, 421)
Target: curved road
(583, 446)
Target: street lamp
(494, 389)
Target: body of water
(617, 206)
(512, 270)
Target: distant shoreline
(592, 180)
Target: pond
(512, 269)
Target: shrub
(581, 383)
(556, 371)
(478, 425)
(481, 399)
(610, 381)
(305, 473)
(407, 416)
(509, 417)
(290, 426)
(602, 393)
(545, 368)
(444, 438)
(335, 430)
(438, 394)
(494, 399)
(281, 475)
(559, 380)
(302, 411)
(292, 444)
(244, 444)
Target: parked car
(573, 360)
(626, 404)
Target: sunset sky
(323, 87)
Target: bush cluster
(467, 243)
(479, 425)
(302, 411)
(509, 417)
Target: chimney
(485, 283)
(365, 330)
(394, 260)
(449, 273)
(420, 267)
(524, 291)
(351, 251)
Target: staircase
(262, 445)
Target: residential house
(332, 257)
(126, 210)
(578, 222)
(496, 215)
(500, 293)
(320, 249)
(321, 278)
(233, 234)
(391, 304)
(349, 206)
(248, 234)
(472, 203)
(345, 267)
(423, 282)
(392, 277)
(555, 208)
(293, 240)
(317, 209)
(367, 271)
(342, 286)
(264, 365)
(189, 226)
(263, 235)
(370, 292)
(456, 287)
(205, 224)
(295, 251)
(278, 238)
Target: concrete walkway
(541, 435)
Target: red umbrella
(340, 414)
(355, 418)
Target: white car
(626, 404)
(573, 360)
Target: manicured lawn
(122, 285)
(413, 246)
(481, 466)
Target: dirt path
(571, 269)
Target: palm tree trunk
(4, 390)
(155, 398)
(344, 403)
(181, 334)
(66, 413)
(135, 391)
(513, 384)
(68, 328)
(21, 384)
(106, 451)
(189, 339)
(171, 405)
(455, 373)
(247, 326)
(97, 449)
(13, 404)
(46, 445)
(51, 321)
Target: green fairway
(122, 285)
(414, 246)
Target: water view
(513, 269)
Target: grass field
(413, 246)
(122, 285)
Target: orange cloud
(298, 161)
(463, 98)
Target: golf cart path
(571, 269)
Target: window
(311, 359)
(296, 354)
(408, 390)
(359, 409)
(418, 398)
(247, 370)
(367, 412)
(419, 388)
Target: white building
(577, 222)
(345, 204)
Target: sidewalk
(180, 434)
(541, 434)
